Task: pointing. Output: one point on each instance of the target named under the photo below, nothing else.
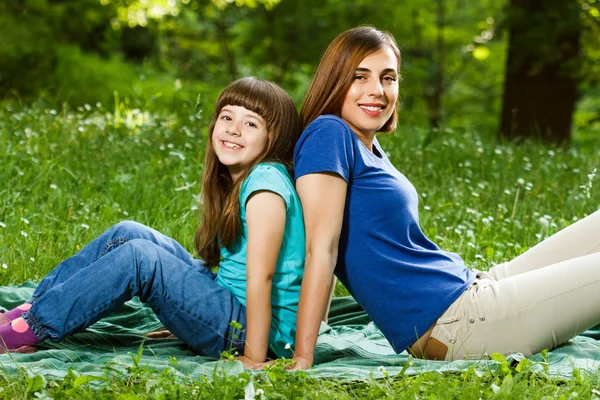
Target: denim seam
(113, 244)
(37, 329)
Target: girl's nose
(234, 129)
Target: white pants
(537, 301)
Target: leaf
(83, 379)
(36, 383)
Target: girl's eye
(359, 77)
(226, 117)
(389, 78)
(252, 124)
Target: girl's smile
(239, 138)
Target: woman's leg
(525, 313)
(186, 299)
(111, 239)
(576, 240)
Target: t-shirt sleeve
(325, 146)
(266, 178)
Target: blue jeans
(127, 260)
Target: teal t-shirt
(285, 292)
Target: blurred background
(514, 68)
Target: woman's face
(371, 99)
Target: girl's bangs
(253, 95)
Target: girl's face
(371, 99)
(239, 138)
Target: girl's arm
(323, 198)
(265, 219)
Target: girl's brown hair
(220, 224)
(335, 72)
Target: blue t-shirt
(402, 280)
(285, 291)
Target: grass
(68, 174)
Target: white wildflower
(24, 234)
(544, 222)
(4, 266)
(521, 181)
(85, 226)
(2, 224)
(53, 186)
(25, 221)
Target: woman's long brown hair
(335, 72)
(220, 224)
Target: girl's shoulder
(269, 176)
(269, 169)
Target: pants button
(482, 319)
(472, 320)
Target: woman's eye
(389, 78)
(359, 77)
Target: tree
(540, 89)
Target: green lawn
(66, 175)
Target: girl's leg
(186, 299)
(111, 239)
(526, 313)
(576, 240)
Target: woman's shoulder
(328, 129)
(327, 122)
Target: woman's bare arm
(323, 198)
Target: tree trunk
(540, 86)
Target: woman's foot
(17, 336)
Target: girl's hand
(301, 363)
(248, 363)
(162, 334)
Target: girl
(252, 228)
(361, 217)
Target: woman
(361, 220)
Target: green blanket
(351, 346)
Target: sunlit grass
(66, 175)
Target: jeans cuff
(38, 330)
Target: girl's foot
(17, 336)
(13, 314)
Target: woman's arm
(265, 218)
(323, 198)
